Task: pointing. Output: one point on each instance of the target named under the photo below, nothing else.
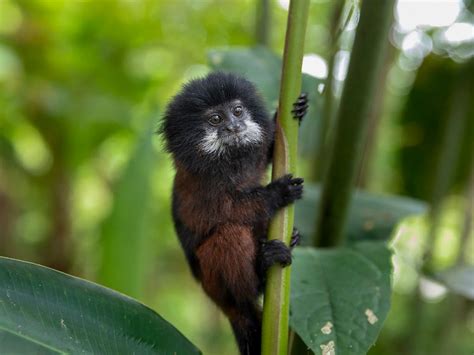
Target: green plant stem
(351, 122)
(448, 154)
(277, 293)
(262, 23)
(375, 116)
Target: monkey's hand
(285, 190)
(300, 107)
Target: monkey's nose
(234, 128)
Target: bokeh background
(85, 185)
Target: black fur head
(217, 120)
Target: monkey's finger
(295, 238)
(297, 181)
(297, 187)
(297, 192)
(300, 103)
(300, 109)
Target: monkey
(220, 137)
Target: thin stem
(277, 293)
(351, 122)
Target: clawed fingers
(295, 238)
(276, 252)
(300, 107)
(297, 181)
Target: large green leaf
(459, 280)
(371, 217)
(263, 67)
(43, 311)
(12, 344)
(340, 297)
(124, 235)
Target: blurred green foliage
(424, 120)
(85, 186)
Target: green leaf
(371, 217)
(263, 67)
(258, 64)
(340, 297)
(50, 312)
(16, 344)
(124, 236)
(459, 280)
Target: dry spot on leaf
(327, 329)
(369, 225)
(329, 348)
(371, 317)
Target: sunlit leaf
(340, 297)
(459, 279)
(43, 311)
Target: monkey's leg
(274, 252)
(227, 265)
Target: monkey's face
(216, 119)
(229, 126)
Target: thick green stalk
(328, 104)
(351, 122)
(262, 23)
(277, 293)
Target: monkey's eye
(238, 111)
(215, 120)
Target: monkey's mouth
(251, 134)
(235, 138)
(215, 142)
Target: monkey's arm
(263, 201)
(300, 108)
(189, 242)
